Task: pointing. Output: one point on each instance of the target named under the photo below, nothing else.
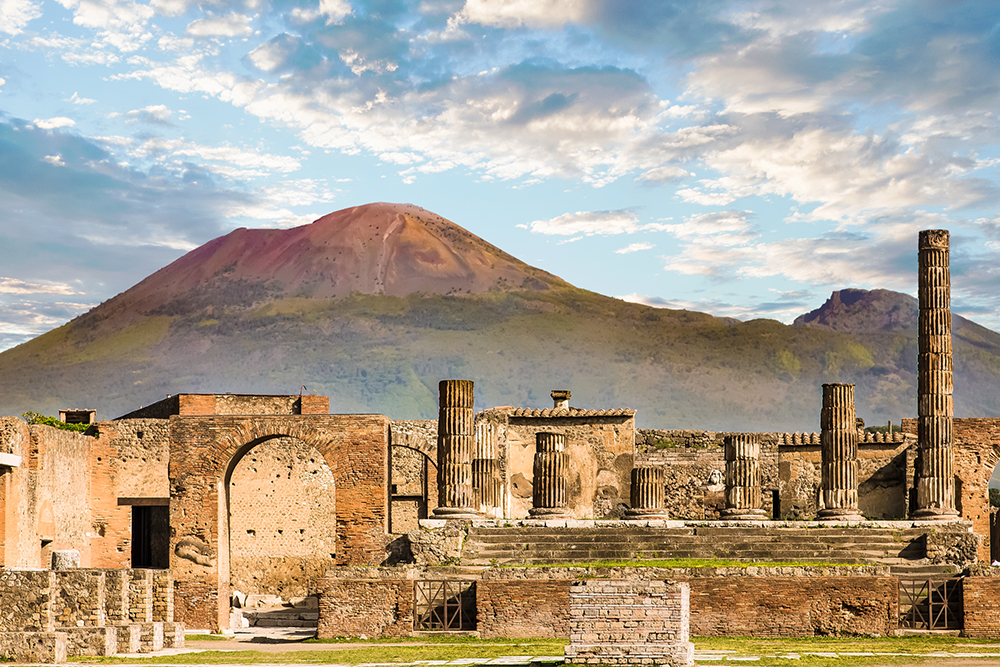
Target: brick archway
(203, 452)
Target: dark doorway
(151, 536)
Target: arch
(204, 451)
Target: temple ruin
(174, 508)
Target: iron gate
(444, 605)
(930, 604)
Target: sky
(743, 159)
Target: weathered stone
(549, 497)
(839, 438)
(743, 478)
(456, 439)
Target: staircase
(538, 545)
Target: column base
(456, 513)
(936, 514)
(743, 514)
(549, 513)
(644, 514)
(839, 515)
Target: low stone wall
(981, 604)
(525, 608)
(46, 616)
(630, 623)
(365, 607)
(535, 602)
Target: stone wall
(204, 450)
(535, 602)
(600, 454)
(19, 545)
(414, 472)
(977, 452)
(630, 623)
(27, 598)
(981, 604)
(365, 608)
(522, 608)
(283, 519)
(232, 404)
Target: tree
(995, 497)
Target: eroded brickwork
(523, 608)
(283, 519)
(630, 623)
(369, 607)
(981, 603)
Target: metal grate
(444, 605)
(930, 604)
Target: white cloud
(76, 99)
(18, 286)
(634, 247)
(155, 113)
(16, 14)
(54, 160)
(54, 123)
(233, 25)
(665, 174)
(118, 23)
(335, 11)
(590, 223)
(2, 81)
(528, 13)
(226, 160)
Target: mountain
(373, 305)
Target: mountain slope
(373, 305)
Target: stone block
(129, 638)
(173, 635)
(91, 641)
(37, 647)
(151, 637)
(65, 559)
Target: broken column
(839, 442)
(485, 476)
(647, 494)
(455, 444)
(935, 437)
(549, 484)
(560, 398)
(743, 478)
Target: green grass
(405, 652)
(206, 638)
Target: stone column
(485, 475)
(647, 495)
(839, 441)
(935, 438)
(549, 485)
(743, 478)
(455, 443)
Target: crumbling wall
(61, 491)
(19, 545)
(688, 458)
(414, 472)
(283, 519)
(600, 453)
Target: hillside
(373, 305)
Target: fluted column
(743, 478)
(839, 441)
(549, 485)
(485, 477)
(935, 438)
(455, 444)
(647, 495)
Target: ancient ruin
(179, 507)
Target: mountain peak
(863, 311)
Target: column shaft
(935, 409)
(456, 440)
(839, 442)
(743, 478)
(648, 497)
(549, 484)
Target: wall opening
(413, 489)
(151, 536)
(994, 509)
(282, 519)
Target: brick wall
(370, 607)
(630, 623)
(977, 452)
(523, 608)
(282, 519)
(981, 601)
(203, 451)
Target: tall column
(455, 443)
(647, 495)
(935, 438)
(549, 485)
(743, 478)
(839, 441)
(485, 477)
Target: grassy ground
(802, 652)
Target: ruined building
(274, 495)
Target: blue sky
(742, 159)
